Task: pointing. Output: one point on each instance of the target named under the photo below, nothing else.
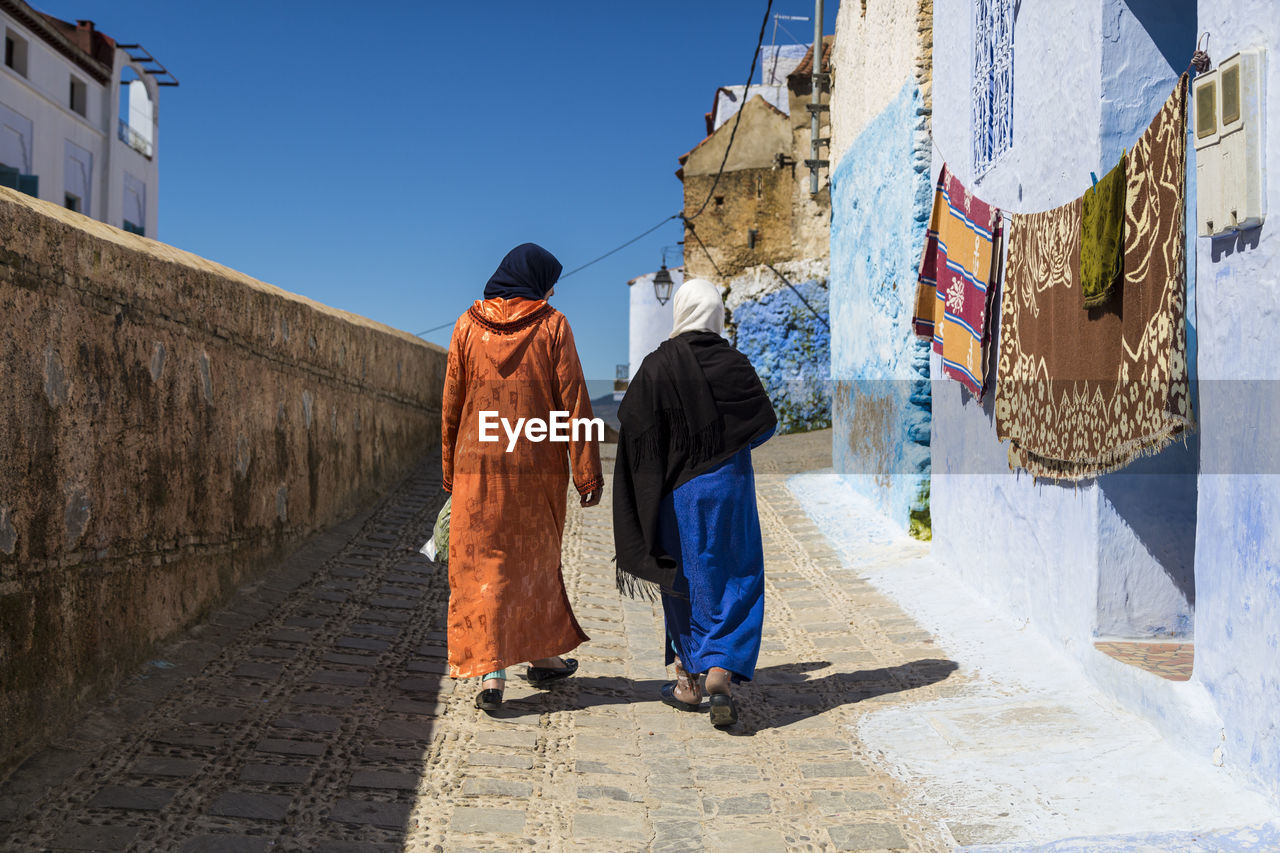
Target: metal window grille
(992, 82)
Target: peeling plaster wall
(168, 429)
(880, 196)
(1238, 550)
(877, 47)
(880, 209)
(763, 213)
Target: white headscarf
(698, 307)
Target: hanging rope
(1200, 59)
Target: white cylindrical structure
(650, 321)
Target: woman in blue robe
(685, 516)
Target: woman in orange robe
(512, 356)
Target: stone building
(761, 210)
(760, 214)
(79, 118)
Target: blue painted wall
(1238, 548)
(791, 350)
(880, 198)
(1184, 543)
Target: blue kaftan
(712, 527)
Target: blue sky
(381, 157)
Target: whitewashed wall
(874, 55)
(1103, 557)
(41, 97)
(1238, 550)
(651, 322)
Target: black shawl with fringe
(694, 403)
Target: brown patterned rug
(1081, 393)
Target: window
(77, 179)
(79, 100)
(136, 112)
(15, 180)
(15, 153)
(992, 94)
(15, 52)
(135, 205)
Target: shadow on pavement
(779, 696)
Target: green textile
(1101, 236)
(441, 533)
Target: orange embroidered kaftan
(507, 601)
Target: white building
(79, 118)
(651, 320)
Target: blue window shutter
(29, 184)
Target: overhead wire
(621, 247)
(578, 269)
(800, 296)
(755, 57)
(704, 249)
(688, 220)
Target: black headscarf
(528, 270)
(695, 402)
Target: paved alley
(313, 714)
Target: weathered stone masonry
(168, 428)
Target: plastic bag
(437, 547)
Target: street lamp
(662, 284)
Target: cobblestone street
(313, 714)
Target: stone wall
(755, 199)
(168, 428)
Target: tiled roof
(806, 65)
(96, 45)
(91, 50)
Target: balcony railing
(135, 140)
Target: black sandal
(723, 712)
(538, 675)
(489, 700)
(669, 698)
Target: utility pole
(815, 105)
